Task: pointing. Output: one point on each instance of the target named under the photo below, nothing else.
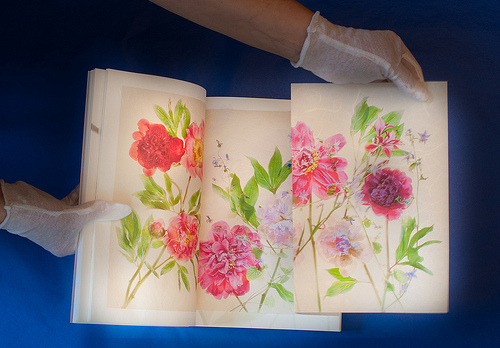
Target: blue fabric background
(47, 47)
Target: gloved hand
(346, 55)
(51, 223)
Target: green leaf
(275, 164)
(428, 243)
(167, 268)
(363, 116)
(131, 226)
(420, 234)
(336, 274)
(269, 301)
(221, 192)
(152, 187)
(166, 118)
(417, 265)
(399, 153)
(186, 121)
(251, 191)
(182, 268)
(393, 118)
(168, 184)
(400, 276)
(357, 118)
(284, 293)
(253, 273)
(407, 227)
(286, 170)
(184, 279)
(339, 287)
(194, 199)
(124, 243)
(377, 247)
(178, 112)
(261, 175)
(157, 244)
(389, 287)
(145, 239)
(257, 252)
(413, 256)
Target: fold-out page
(143, 147)
(246, 237)
(370, 194)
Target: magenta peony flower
(181, 237)
(344, 246)
(315, 167)
(225, 259)
(193, 157)
(388, 192)
(386, 143)
(155, 148)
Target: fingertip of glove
(114, 211)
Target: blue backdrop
(47, 49)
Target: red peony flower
(314, 166)
(193, 157)
(181, 237)
(155, 148)
(225, 259)
(388, 192)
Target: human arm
(49, 222)
(288, 29)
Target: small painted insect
(209, 220)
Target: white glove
(51, 223)
(345, 55)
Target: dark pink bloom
(315, 168)
(225, 259)
(155, 148)
(193, 157)
(386, 142)
(181, 238)
(388, 192)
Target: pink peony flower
(388, 192)
(181, 237)
(315, 167)
(193, 157)
(344, 246)
(225, 259)
(276, 220)
(155, 148)
(386, 143)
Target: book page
(246, 236)
(150, 144)
(370, 186)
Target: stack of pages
(262, 213)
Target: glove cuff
(310, 29)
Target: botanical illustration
(257, 248)
(344, 208)
(169, 143)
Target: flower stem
(130, 297)
(372, 282)
(269, 284)
(241, 303)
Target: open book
(225, 232)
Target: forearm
(3, 212)
(275, 26)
